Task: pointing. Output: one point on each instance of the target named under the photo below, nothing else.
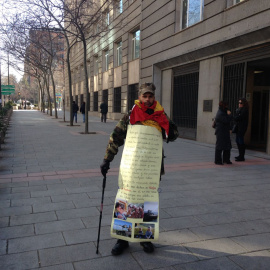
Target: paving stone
(218, 231)
(254, 226)
(13, 196)
(5, 204)
(4, 221)
(20, 261)
(58, 226)
(66, 254)
(91, 222)
(35, 242)
(52, 206)
(3, 246)
(176, 237)
(69, 197)
(254, 242)
(214, 248)
(44, 182)
(83, 189)
(170, 224)
(17, 231)
(5, 191)
(30, 201)
(86, 235)
(32, 218)
(253, 261)
(87, 202)
(212, 264)
(164, 257)
(66, 266)
(12, 184)
(126, 262)
(11, 211)
(77, 213)
(29, 189)
(47, 193)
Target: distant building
(196, 52)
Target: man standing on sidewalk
(75, 109)
(104, 111)
(147, 112)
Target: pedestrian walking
(222, 132)
(241, 119)
(82, 110)
(147, 112)
(75, 109)
(104, 111)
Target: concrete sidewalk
(211, 217)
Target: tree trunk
(86, 85)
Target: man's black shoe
(147, 247)
(119, 247)
(228, 162)
(240, 159)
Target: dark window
(76, 99)
(117, 99)
(95, 101)
(185, 100)
(233, 85)
(105, 96)
(133, 90)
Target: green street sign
(8, 92)
(7, 89)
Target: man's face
(147, 99)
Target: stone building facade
(197, 52)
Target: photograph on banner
(120, 209)
(150, 211)
(122, 228)
(135, 210)
(144, 231)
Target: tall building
(197, 52)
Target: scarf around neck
(157, 119)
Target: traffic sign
(7, 89)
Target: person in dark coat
(223, 142)
(104, 111)
(82, 110)
(241, 119)
(75, 109)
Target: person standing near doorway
(223, 142)
(104, 111)
(75, 109)
(82, 110)
(241, 119)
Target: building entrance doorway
(260, 71)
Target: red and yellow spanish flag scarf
(157, 119)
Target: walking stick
(101, 209)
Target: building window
(133, 91)
(106, 60)
(119, 53)
(106, 18)
(118, 7)
(191, 12)
(95, 65)
(117, 100)
(95, 101)
(105, 96)
(238, 1)
(136, 44)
